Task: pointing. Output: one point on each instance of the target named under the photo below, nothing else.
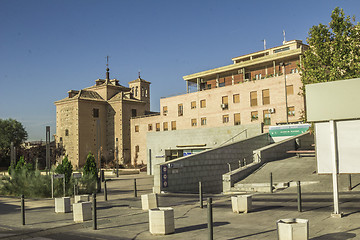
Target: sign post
(55, 176)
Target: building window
(133, 112)
(193, 122)
(203, 103)
(165, 110)
(224, 102)
(137, 148)
(237, 119)
(173, 125)
(225, 118)
(203, 121)
(208, 86)
(146, 92)
(253, 99)
(193, 104)
(180, 110)
(266, 96)
(165, 126)
(258, 76)
(66, 132)
(136, 128)
(150, 127)
(236, 98)
(95, 112)
(291, 111)
(136, 91)
(60, 139)
(254, 116)
(142, 91)
(290, 89)
(267, 117)
(157, 127)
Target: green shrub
(90, 165)
(21, 164)
(65, 168)
(28, 182)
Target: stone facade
(251, 90)
(97, 119)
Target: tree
(90, 165)
(10, 131)
(334, 50)
(65, 168)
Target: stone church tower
(97, 119)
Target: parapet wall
(272, 152)
(184, 174)
(279, 150)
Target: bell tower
(140, 90)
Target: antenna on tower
(284, 37)
(264, 40)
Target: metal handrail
(245, 130)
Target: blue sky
(48, 47)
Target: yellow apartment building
(261, 88)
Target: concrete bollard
(62, 205)
(161, 221)
(81, 198)
(241, 203)
(82, 211)
(149, 201)
(293, 229)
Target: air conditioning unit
(224, 106)
(272, 110)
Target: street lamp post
(286, 103)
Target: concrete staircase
(287, 172)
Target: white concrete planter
(81, 198)
(161, 220)
(62, 205)
(293, 229)
(149, 201)
(82, 211)
(241, 203)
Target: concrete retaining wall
(207, 166)
(275, 151)
(230, 178)
(278, 150)
(158, 142)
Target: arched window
(136, 91)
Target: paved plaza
(121, 217)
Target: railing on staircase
(233, 137)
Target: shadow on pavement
(198, 227)
(336, 236)
(254, 234)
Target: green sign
(288, 130)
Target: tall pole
(48, 148)
(286, 103)
(333, 149)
